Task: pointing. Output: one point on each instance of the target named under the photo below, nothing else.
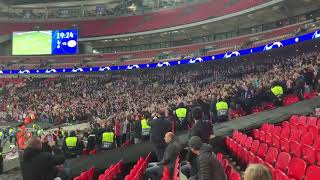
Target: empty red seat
(251, 158)
(294, 119)
(256, 133)
(265, 127)
(283, 160)
(262, 150)
(234, 175)
(285, 124)
(258, 160)
(318, 157)
(285, 145)
(255, 146)
(294, 126)
(285, 132)
(302, 128)
(313, 173)
(219, 157)
(295, 135)
(314, 130)
(243, 140)
(316, 144)
(248, 143)
(297, 168)
(235, 135)
(262, 136)
(269, 139)
(307, 138)
(302, 120)
(276, 141)
(277, 131)
(271, 155)
(295, 148)
(279, 175)
(308, 154)
(312, 121)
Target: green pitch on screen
(31, 43)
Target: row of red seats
(87, 175)
(112, 172)
(166, 173)
(279, 163)
(312, 121)
(140, 23)
(230, 172)
(138, 169)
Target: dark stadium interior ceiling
(280, 11)
(21, 2)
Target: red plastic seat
(235, 135)
(285, 124)
(271, 155)
(302, 128)
(316, 144)
(295, 135)
(318, 124)
(294, 126)
(258, 160)
(220, 157)
(265, 127)
(262, 150)
(302, 120)
(276, 141)
(312, 173)
(294, 119)
(285, 132)
(248, 143)
(285, 145)
(256, 133)
(307, 138)
(295, 149)
(262, 137)
(314, 130)
(279, 175)
(282, 162)
(234, 175)
(308, 154)
(277, 131)
(297, 168)
(243, 140)
(251, 158)
(318, 157)
(255, 146)
(312, 121)
(269, 139)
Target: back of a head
(257, 172)
(34, 143)
(72, 134)
(197, 113)
(195, 143)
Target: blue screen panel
(64, 42)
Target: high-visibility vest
(222, 108)
(145, 128)
(108, 137)
(40, 132)
(277, 90)
(181, 113)
(11, 132)
(1, 134)
(71, 142)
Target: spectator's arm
(204, 168)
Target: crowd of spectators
(123, 96)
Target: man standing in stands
(37, 165)
(277, 92)
(222, 109)
(136, 129)
(159, 127)
(72, 147)
(299, 86)
(155, 169)
(208, 165)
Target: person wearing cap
(208, 165)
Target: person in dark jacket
(209, 166)
(37, 165)
(136, 130)
(155, 169)
(299, 86)
(202, 128)
(159, 127)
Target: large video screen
(56, 42)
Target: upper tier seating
(157, 20)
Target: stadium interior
(159, 89)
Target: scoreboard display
(55, 42)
